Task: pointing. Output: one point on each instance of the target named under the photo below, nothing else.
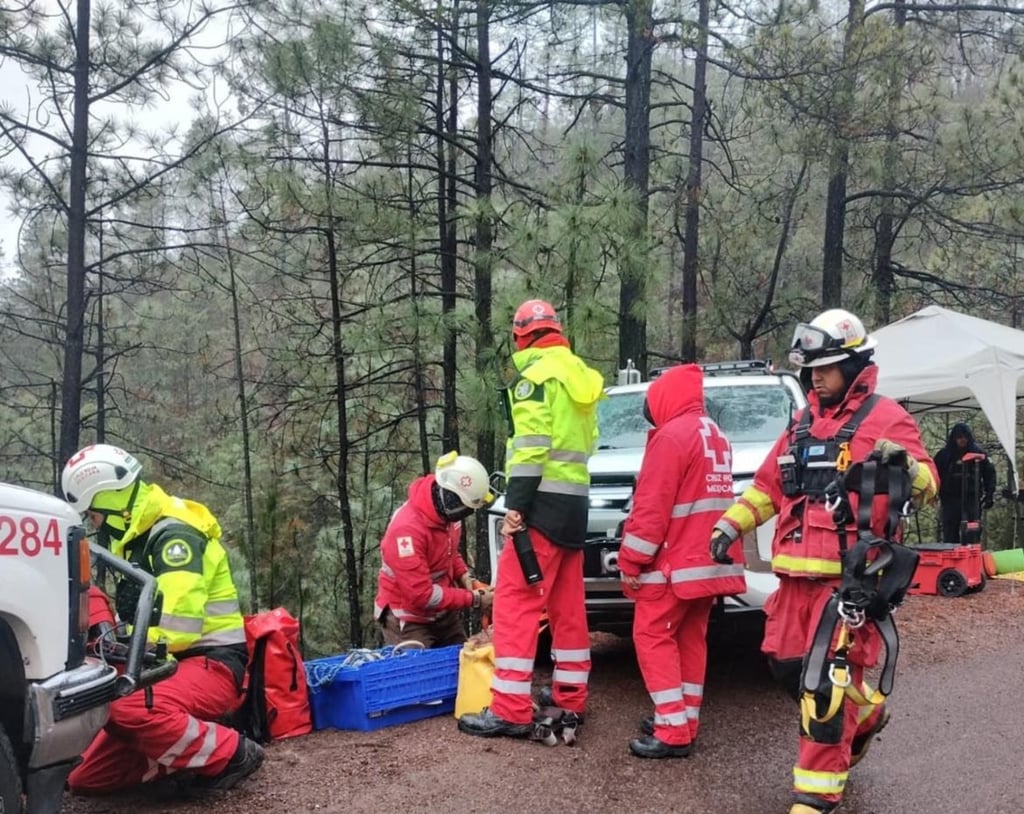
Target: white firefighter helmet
(94, 469)
(465, 477)
(831, 337)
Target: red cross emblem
(716, 447)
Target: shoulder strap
(850, 427)
(847, 430)
(803, 425)
(845, 433)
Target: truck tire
(10, 779)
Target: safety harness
(876, 574)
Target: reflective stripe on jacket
(554, 416)
(420, 562)
(684, 485)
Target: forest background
(293, 297)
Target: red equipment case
(948, 569)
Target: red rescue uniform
(806, 555)
(684, 485)
(421, 569)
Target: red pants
(670, 635)
(175, 732)
(517, 611)
(793, 611)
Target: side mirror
(498, 482)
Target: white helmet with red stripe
(94, 469)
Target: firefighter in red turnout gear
(684, 485)
(553, 416)
(424, 582)
(845, 421)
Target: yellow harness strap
(842, 685)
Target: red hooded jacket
(420, 561)
(684, 485)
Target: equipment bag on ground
(476, 668)
(277, 698)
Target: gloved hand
(487, 601)
(891, 452)
(720, 544)
(989, 501)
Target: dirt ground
(960, 664)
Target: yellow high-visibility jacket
(553, 405)
(178, 542)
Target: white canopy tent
(941, 360)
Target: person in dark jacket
(952, 462)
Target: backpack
(277, 699)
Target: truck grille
(615, 480)
(67, 706)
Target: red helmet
(535, 315)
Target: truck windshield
(745, 413)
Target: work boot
(647, 725)
(248, 758)
(809, 804)
(650, 747)
(861, 743)
(489, 725)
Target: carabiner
(832, 677)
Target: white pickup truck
(54, 695)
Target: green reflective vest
(178, 542)
(553, 405)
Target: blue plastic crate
(395, 689)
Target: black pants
(952, 514)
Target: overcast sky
(16, 91)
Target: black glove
(720, 544)
(988, 502)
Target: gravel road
(952, 746)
